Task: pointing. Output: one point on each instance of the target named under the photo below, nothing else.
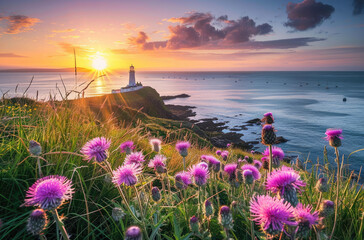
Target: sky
(183, 35)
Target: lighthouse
(131, 76)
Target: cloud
(307, 14)
(19, 23)
(287, 43)
(358, 7)
(201, 29)
(64, 30)
(68, 48)
(11, 55)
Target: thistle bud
(265, 163)
(289, 195)
(268, 135)
(37, 222)
(248, 176)
(156, 144)
(35, 148)
(117, 214)
(234, 205)
(156, 195)
(133, 233)
(218, 152)
(209, 209)
(268, 118)
(225, 217)
(303, 229)
(322, 185)
(326, 208)
(194, 226)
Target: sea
(304, 104)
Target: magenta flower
(133, 233)
(49, 192)
(224, 155)
(228, 145)
(203, 164)
(135, 157)
(156, 144)
(218, 152)
(253, 169)
(334, 137)
(268, 118)
(127, 147)
(182, 148)
(158, 163)
(213, 163)
(303, 214)
(271, 213)
(277, 154)
(285, 182)
(200, 174)
(96, 149)
(183, 179)
(257, 163)
(230, 169)
(127, 174)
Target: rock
(280, 140)
(254, 121)
(175, 96)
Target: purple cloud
(19, 23)
(202, 29)
(358, 7)
(307, 14)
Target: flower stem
(319, 201)
(184, 163)
(141, 212)
(39, 168)
(60, 224)
(337, 191)
(270, 158)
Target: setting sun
(99, 63)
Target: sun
(99, 63)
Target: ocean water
(304, 104)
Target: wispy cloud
(307, 14)
(64, 30)
(18, 23)
(69, 48)
(11, 55)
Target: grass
(62, 129)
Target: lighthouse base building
(132, 86)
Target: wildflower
(285, 182)
(268, 118)
(37, 222)
(213, 163)
(158, 163)
(182, 148)
(334, 137)
(183, 179)
(200, 174)
(271, 213)
(248, 176)
(49, 192)
(127, 174)
(194, 225)
(224, 155)
(322, 185)
(96, 149)
(208, 208)
(156, 195)
(257, 163)
(228, 145)
(203, 164)
(326, 208)
(277, 155)
(265, 162)
(134, 158)
(252, 151)
(218, 152)
(268, 135)
(127, 147)
(156, 144)
(133, 233)
(117, 214)
(35, 148)
(305, 220)
(225, 217)
(230, 169)
(253, 169)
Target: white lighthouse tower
(132, 77)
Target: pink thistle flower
(257, 164)
(158, 163)
(228, 145)
(200, 174)
(37, 222)
(183, 179)
(49, 192)
(127, 147)
(224, 155)
(182, 148)
(203, 164)
(334, 137)
(156, 144)
(96, 149)
(277, 154)
(271, 213)
(213, 163)
(127, 174)
(133, 233)
(230, 169)
(135, 157)
(253, 169)
(218, 152)
(268, 118)
(305, 220)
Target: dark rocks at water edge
(175, 96)
(181, 112)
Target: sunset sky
(184, 35)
